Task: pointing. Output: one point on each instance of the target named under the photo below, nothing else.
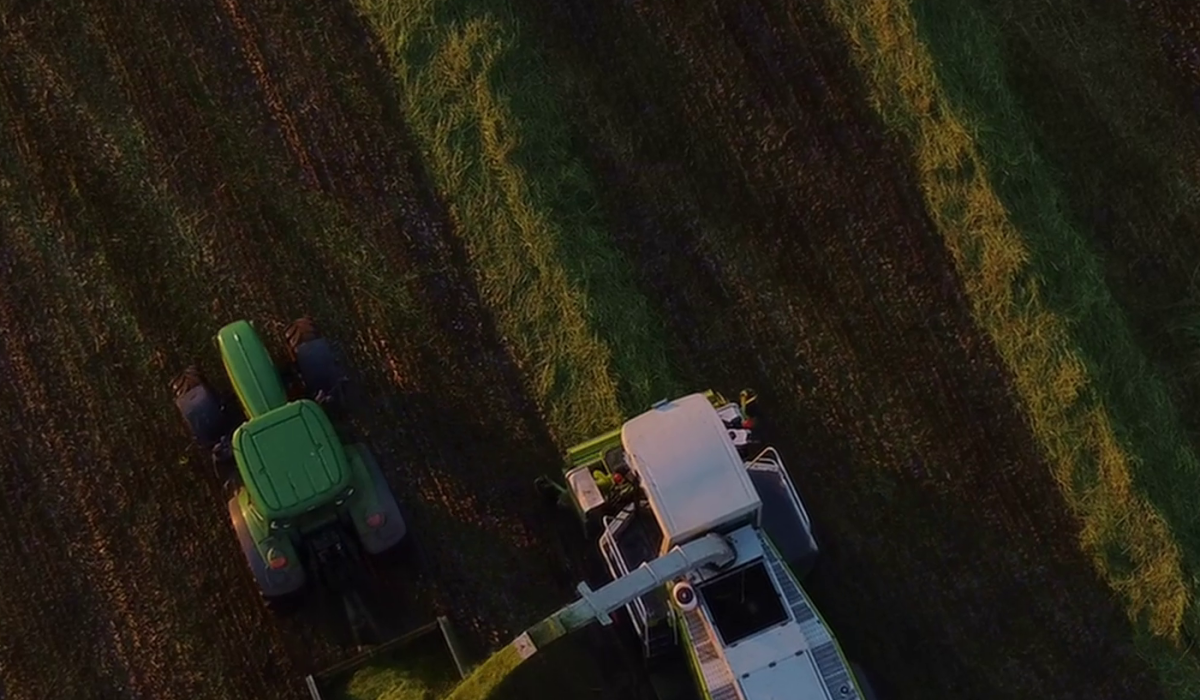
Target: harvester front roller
(316, 361)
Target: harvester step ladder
(608, 541)
(806, 617)
(830, 666)
(718, 679)
(833, 672)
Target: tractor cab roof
(689, 468)
(291, 460)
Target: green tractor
(306, 506)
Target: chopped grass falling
(999, 211)
(488, 676)
(424, 670)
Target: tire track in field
(58, 463)
(279, 112)
(31, 519)
(140, 643)
(141, 627)
(792, 255)
(458, 417)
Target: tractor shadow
(481, 547)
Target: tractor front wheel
(202, 410)
(224, 465)
(314, 357)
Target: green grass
(420, 670)
(498, 148)
(1099, 411)
(488, 676)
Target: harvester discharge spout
(710, 550)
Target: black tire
(224, 465)
(278, 590)
(286, 605)
(313, 356)
(301, 331)
(201, 408)
(396, 524)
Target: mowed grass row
(498, 149)
(1037, 290)
(475, 93)
(1124, 161)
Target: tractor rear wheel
(185, 381)
(313, 355)
(285, 605)
(201, 408)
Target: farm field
(954, 251)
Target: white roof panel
(790, 678)
(689, 468)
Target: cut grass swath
(499, 151)
(980, 185)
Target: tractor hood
(291, 460)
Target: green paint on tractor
(254, 376)
(305, 506)
(291, 460)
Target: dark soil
(124, 578)
(783, 234)
(766, 211)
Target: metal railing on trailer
(317, 683)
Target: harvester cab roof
(690, 471)
(707, 554)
